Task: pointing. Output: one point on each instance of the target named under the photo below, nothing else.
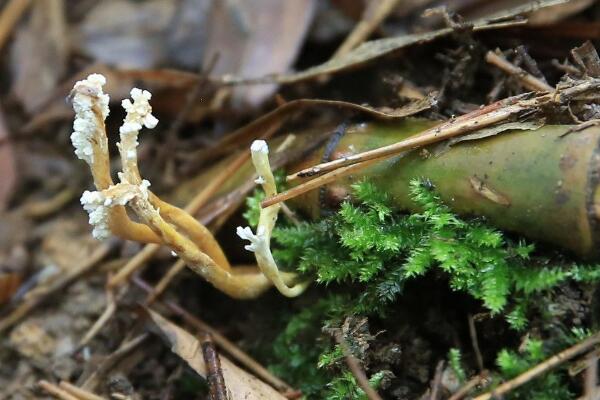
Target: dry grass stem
(541, 368)
(526, 79)
(79, 392)
(10, 16)
(56, 391)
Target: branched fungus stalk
(161, 222)
(260, 243)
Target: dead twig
(517, 107)
(470, 385)
(591, 378)
(525, 78)
(480, 118)
(229, 347)
(475, 342)
(107, 364)
(541, 368)
(161, 286)
(111, 307)
(79, 392)
(374, 14)
(56, 391)
(214, 374)
(356, 369)
(11, 14)
(437, 380)
(43, 208)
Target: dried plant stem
(315, 183)
(470, 385)
(160, 287)
(528, 81)
(11, 14)
(111, 307)
(107, 364)
(229, 347)
(437, 381)
(541, 368)
(492, 114)
(357, 371)
(214, 373)
(374, 14)
(56, 391)
(498, 112)
(79, 392)
(43, 294)
(43, 208)
(475, 342)
(135, 263)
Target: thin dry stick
(591, 378)
(43, 208)
(315, 183)
(475, 342)
(541, 368)
(79, 392)
(229, 347)
(111, 306)
(107, 364)
(470, 385)
(56, 391)
(214, 373)
(11, 14)
(481, 118)
(357, 371)
(437, 381)
(160, 287)
(528, 81)
(30, 303)
(374, 14)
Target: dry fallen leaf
(255, 38)
(375, 49)
(39, 53)
(239, 383)
(8, 171)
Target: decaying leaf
(8, 171)
(239, 383)
(39, 53)
(147, 34)
(256, 38)
(375, 49)
(280, 114)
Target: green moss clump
(369, 252)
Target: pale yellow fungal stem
(139, 113)
(162, 222)
(91, 145)
(260, 243)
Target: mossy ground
(398, 288)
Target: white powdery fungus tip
(97, 204)
(139, 111)
(94, 204)
(86, 94)
(259, 146)
(256, 241)
(260, 180)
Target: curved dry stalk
(260, 243)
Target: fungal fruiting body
(161, 222)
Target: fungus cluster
(161, 222)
